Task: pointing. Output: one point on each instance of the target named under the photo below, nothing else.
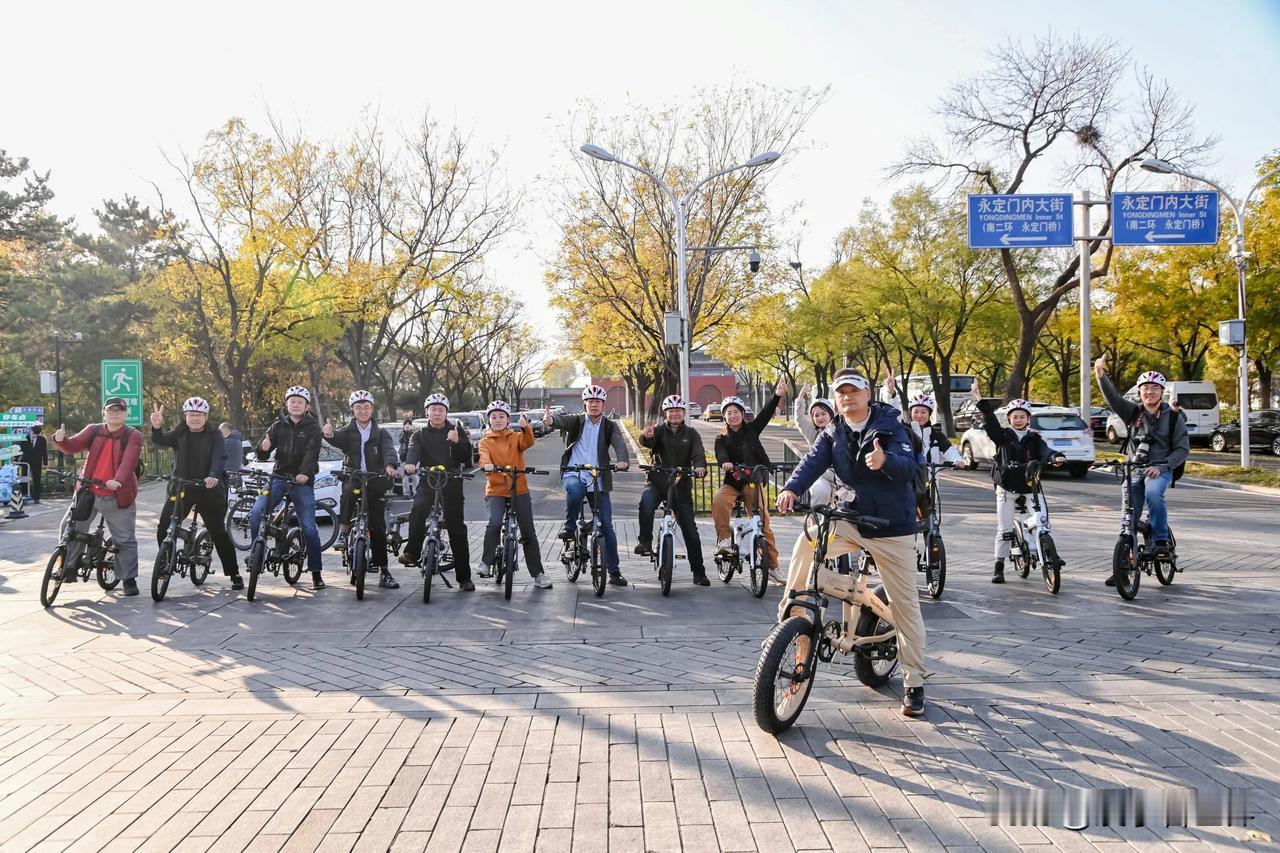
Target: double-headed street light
(1241, 258)
(682, 269)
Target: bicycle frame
(747, 527)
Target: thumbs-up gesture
(781, 388)
(157, 417)
(266, 443)
(524, 423)
(975, 391)
(875, 459)
(455, 434)
(327, 429)
(61, 434)
(1100, 367)
(547, 417)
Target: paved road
(558, 721)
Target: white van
(1198, 401)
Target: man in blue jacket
(868, 449)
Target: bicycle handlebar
(590, 469)
(837, 514)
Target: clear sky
(96, 92)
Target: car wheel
(1111, 435)
(1218, 442)
(1275, 446)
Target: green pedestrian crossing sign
(122, 377)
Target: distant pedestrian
(234, 446)
(35, 453)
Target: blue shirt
(586, 450)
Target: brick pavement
(558, 722)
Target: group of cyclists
(866, 455)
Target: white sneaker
(485, 571)
(541, 581)
(776, 577)
(724, 547)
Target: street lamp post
(680, 203)
(1241, 258)
(58, 341)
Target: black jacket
(196, 455)
(1010, 449)
(430, 446)
(680, 448)
(35, 451)
(743, 447)
(571, 427)
(379, 451)
(296, 445)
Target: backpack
(139, 469)
(1173, 423)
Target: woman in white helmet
(674, 445)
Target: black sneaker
(566, 533)
(340, 544)
(387, 582)
(237, 582)
(407, 559)
(913, 702)
(130, 587)
(644, 549)
(1111, 580)
(317, 582)
(997, 575)
(701, 580)
(617, 580)
(466, 586)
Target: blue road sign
(1020, 221)
(1164, 219)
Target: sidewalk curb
(1235, 487)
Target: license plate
(1191, 427)
(1062, 442)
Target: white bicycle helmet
(675, 401)
(923, 400)
(298, 391)
(824, 403)
(436, 400)
(196, 404)
(733, 401)
(1152, 378)
(359, 397)
(1019, 404)
(594, 392)
(497, 406)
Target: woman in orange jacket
(501, 447)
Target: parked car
(967, 415)
(539, 425)
(1198, 401)
(695, 411)
(713, 413)
(1098, 420)
(1062, 429)
(1264, 431)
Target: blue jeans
(304, 506)
(1152, 493)
(575, 492)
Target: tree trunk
(1265, 372)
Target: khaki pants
(896, 559)
(722, 515)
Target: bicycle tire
(295, 551)
(430, 563)
(667, 564)
(725, 568)
(936, 565)
(868, 625)
(770, 674)
(1050, 565)
(759, 577)
(105, 570)
(1166, 569)
(573, 568)
(508, 567)
(161, 570)
(327, 542)
(50, 585)
(1124, 566)
(237, 523)
(359, 564)
(201, 557)
(257, 553)
(598, 579)
(1022, 560)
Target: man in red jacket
(114, 449)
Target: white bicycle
(749, 552)
(1031, 542)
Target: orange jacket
(505, 448)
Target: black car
(1264, 431)
(964, 417)
(1098, 421)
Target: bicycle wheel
(1165, 570)
(667, 563)
(759, 577)
(257, 553)
(327, 540)
(359, 564)
(778, 693)
(430, 563)
(106, 568)
(295, 551)
(237, 522)
(161, 570)
(575, 564)
(201, 557)
(508, 567)
(936, 565)
(597, 566)
(1124, 566)
(1022, 559)
(874, 672)
(53, 576)
(725, 567)
(1050, 565)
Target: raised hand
(61, 434)
(876, 458)
(890, 384)
(648, 431)
(524, 423)
(327, 429)
(781, 388)
(266, 443)
(157, 417)
(455, 434)
(1100, 367)
(974, 391)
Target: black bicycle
(358, 555)
(587, 547)
(246, 485)
(506, 560)
(664, 555)
(287, 550)
(187, 550)
(1130, 558)
(933, 563)
(748, 549)
(78, 554)
(434, 552)
(791, 653)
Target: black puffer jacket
(296, 445)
